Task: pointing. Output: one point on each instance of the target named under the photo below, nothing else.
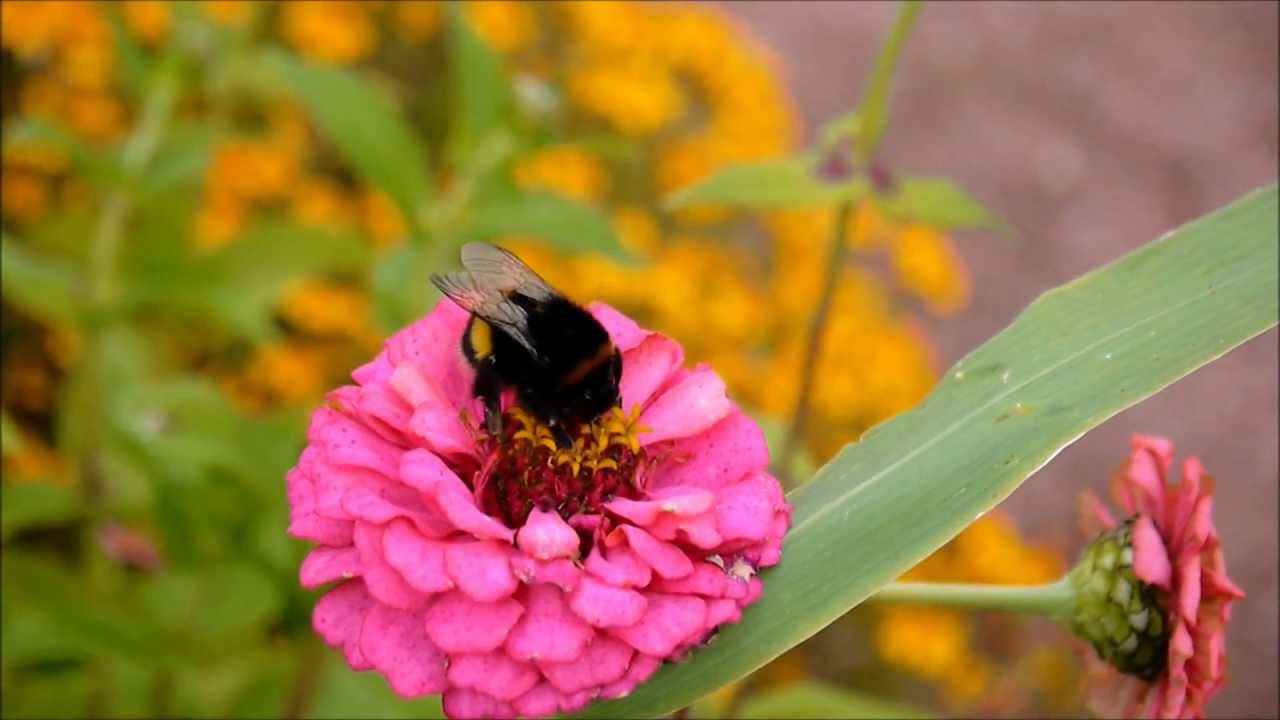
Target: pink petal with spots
(562, 573)
(744, 510)
(549, 631)
(326, 564)
(668, 622)
(480, 569)
(687, 408)
(423, 470)
(377, 370)
(382, 580)
(1150, 559)
(441, 431)
(604, 661)
(468, 704)
(458, 624)
(620, 566)
(723, 454)
(396, 644)
(541, 701)
(681, 501)
(666, 559)
(419, 560)
(706, 580)
(493, 674)
(338, 617)
(646, 367)
(546, 536)
(346, 443)
(623, 331)
(606, 606)
(640, 669)
(304, 523)
(433, 346)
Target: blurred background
(213, 211)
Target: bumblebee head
(597, 391)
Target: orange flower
(334, 31)
(148, 20)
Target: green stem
(800, 420)
(1053, 599)
(873, 110)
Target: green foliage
(42, 286)
(1075, 357)
(939, 203)
(480, 89)
(817, 700)
(792, 182)
(561, 222)
(364, 125)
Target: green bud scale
(1118, 614)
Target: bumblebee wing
(493, 267)
(489, 304)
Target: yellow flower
(233, 13)
(991, 551)
(926, 263)
(285, 373)
(334, 31)
(967, 681)
(219, 219)
(319, 202)
(321, 307)
(382, 218)
(927, 641)
(148, 20)
(417, 20)
(253, 170)
(34, 461)
(28, 28)
(25, 195)
(41, 96)
(97, 116)
(868, 228)
(636, 97)
(563, 169)
(43, 157)
(507, 26)
(637, 230)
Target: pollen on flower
(527, 469)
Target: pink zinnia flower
(513, 576)
(1153, 593)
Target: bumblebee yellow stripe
(481, 338)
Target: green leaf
(482, 97)
(10, 436)
(790, 182)
(366, 127)
(180, 160)
(1076, 356)
(939, 203)
(402, 289)
(41, 286)
(63, 693)
(212, 609)
(35, 504)
(565, 224)
(821, 701)
(100, 166)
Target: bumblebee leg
(487, 387)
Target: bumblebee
(525, 335)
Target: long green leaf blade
(790, 182)
(1076, 356)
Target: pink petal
(604, 661)
(1189, 588)
(395, 642)
(706, 580)
(326, 564)
(1218, 584)
(549, 630)
(1183, 498)
(721, 611)
(465, 703)
(304, 523)
(669, 622)
(1092, 516)
(434, 346)
(676, 500)
(425, 471)
(623, 331)
(338, 616)
(1150, 559)
(689, 407)
(377, 370)
(494, 674)
(560, 572)
(622, 567)
(378, 502)
(546, 536)
(723, 454)
(480, 569)
(666, 559)
(541, 701)
(458, 624)
(646, 367)
(441, 430)
(378, 408)
(640, 669)
(604, 605)
(347, 443)
(1143, 489)
(382, 580)
(700, 530)
(744, 511)
(419, 560)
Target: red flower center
(525, 469)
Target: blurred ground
(1093, 128)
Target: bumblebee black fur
(525, 335)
